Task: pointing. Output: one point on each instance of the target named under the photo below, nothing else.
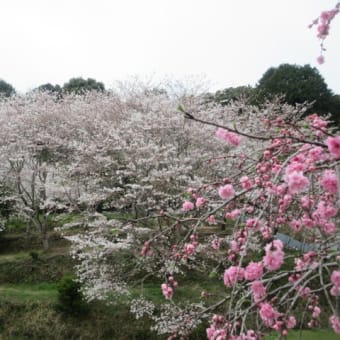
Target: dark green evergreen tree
(81, 86)
(298, 84)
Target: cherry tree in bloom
(281, 181)
(137, 154)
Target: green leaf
(114, 231)
(180, 108)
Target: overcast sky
(231, 42)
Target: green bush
(70, 297)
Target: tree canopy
(229, 94)
(48, 87)
(6, 89)
(80, 85)
(298, 84)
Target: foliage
(70, 297)
(7, 201)
(34, 255)
(51, 89)
(298, 84)
(6, 89)
(14, 293)
(243, 93)
(81, 86)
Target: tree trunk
(45, 242)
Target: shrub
(70, 297)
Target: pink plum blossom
(253, 271)
(297, 182)
(232, 275)
(253, 223)
(335, 278)
(335, 322)
(246, 183)
(329, 227)
(335, 291)
(211, 219)
(230, 137)
(329, 181)
(258, 291)
(233, 214)
(226, 192)
(273, 260)
(316, 312)
(167, 291)
(187, 206)
(316, 153)
(189, 248)
(216, 243)
(274, 257)
(291, 322)
(320, 59)
(333, 144)
(200, 201)
(268, 314)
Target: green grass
(187, 290)
(28, 292)
(317, 334)
(117, 215)
(15, 224)
(11, 257)
(66, 218)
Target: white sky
(231, 42)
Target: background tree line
(295, 84)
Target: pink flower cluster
(323, 26)
(297, 182)
(246, 182)
(233, 214)
(232, 275)
(230, 137)
(253, 224)
(216, 243)
(226, 192)
(187, 206)
(307, 261)
(237, 245)
(168, 289)
(258, 291)
(335, 279)
(200, 202)
(329, 181)
(333, 144)
(268, 314)
(211, 219)
(335, 322)
(220, 329)
(146, 249)
(253, 271)
(274, 257)
(187, 250)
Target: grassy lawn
(28, 292)
(317, 334)
(18, 256)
